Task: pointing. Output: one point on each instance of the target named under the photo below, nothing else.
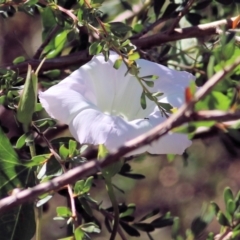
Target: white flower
(102, 106)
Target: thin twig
(192, 68)
(180, 15)
(46, 42)
(109, 215)
(80, 58)
(215, 115)
(69, 186)
(149, 28)
(183, 115)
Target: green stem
(39, 223)
(39, 209)
(32, 150)
(114, 202)
(154, 99)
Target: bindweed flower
(102, 106)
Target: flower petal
(94, 127)
(92, 99)
(63, 103)
(172, 143)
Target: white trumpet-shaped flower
(102, 106)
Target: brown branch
(180, 15)
(80, 58)
(198, 31)
(149, 28)
(77, 58)
(183, 115)
(215, 115)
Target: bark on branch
(183, 115)
(80, 58)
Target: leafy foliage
(72, 32)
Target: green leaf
(237, 198)
(222, 219)
(11, 168)
(134, 56)
(118, 63)
(14, 175)
(52, 74)
(19, 60)
(3, 100)
(210, 236)
(63, 152)
(119, 29)
(146, 227)
(42, 171)
(130, 210)
(102, 151)
(83, 186)
(175, 227)
(157, 94)
(210, 67)
(138, 28)
(237, 217)
(63, 212)
(45, 122)
(198, 225)
(95, 48)
(85, 205)
(72, 146)
(21, 141)
(90, 228)
(38, 107)
(28, 100)
(79, 233)
(59, 42)
(166, 106)
(235, 234)
(125, 43)
(60, 39)
(43, 200)
(38, 160)
(112, 169)
(215, 208)
(48, 21)
(88, 184)
(228, 195)
(162, 222)
(231, 207)
(214, 100)
(150, 77)
(129, 229)
(143, 100)
(149, 83)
